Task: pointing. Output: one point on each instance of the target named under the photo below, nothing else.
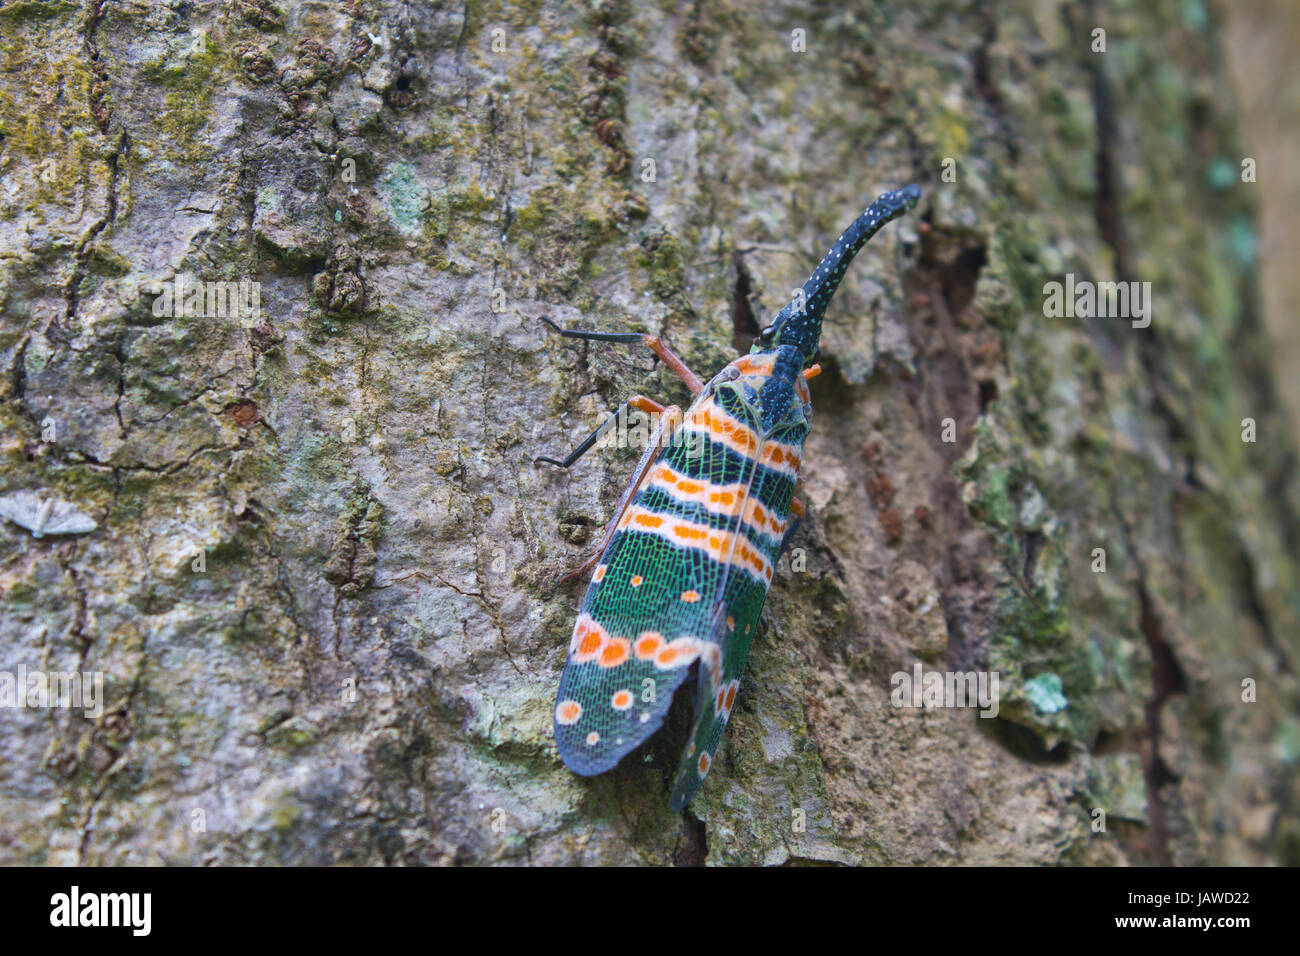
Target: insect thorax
(770, 385)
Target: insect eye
(766, 335)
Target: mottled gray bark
(362, 666)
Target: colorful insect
(684, 568)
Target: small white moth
(42, 516)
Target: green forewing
(655, 587)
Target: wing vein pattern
(683, 580)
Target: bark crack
(103, 116)
(1168, 678)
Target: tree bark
(323, 586)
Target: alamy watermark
(41, 690)
(1085, 299)
(634, 428)
(130, 910)
(195, 299)
(934, 689)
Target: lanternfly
(685, 565)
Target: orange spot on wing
(690, 597)
(648, 644)
(776, 455)
(622, 700)
(568, 712)
(588, 637)
(713, 656)
(679, 653)
(615, 652)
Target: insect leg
(652, 342)
(668, 423)
(647, 405)
(680, 368)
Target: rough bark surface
(364, 669)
